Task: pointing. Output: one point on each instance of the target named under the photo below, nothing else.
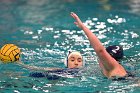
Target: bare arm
(108, 62)
(35, 67)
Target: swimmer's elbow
(100, 51)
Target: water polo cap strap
(84, 61)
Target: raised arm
(94, 41)
(108, 62)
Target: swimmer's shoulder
(128, 76)
(54, 73)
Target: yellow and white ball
(9, 53)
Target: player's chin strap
(36, 68)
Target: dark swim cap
(116, 51)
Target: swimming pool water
(45, 32)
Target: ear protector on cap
(66, 60)
(116, 51)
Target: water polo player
(73, 62)
(107, 61)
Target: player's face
(75, 60)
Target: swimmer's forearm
(36, 68)
(94, 41)
(99, 49)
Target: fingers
(75, 23)
(78, 21)
(74, 15)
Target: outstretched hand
(77, 22)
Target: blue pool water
(44, 31)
